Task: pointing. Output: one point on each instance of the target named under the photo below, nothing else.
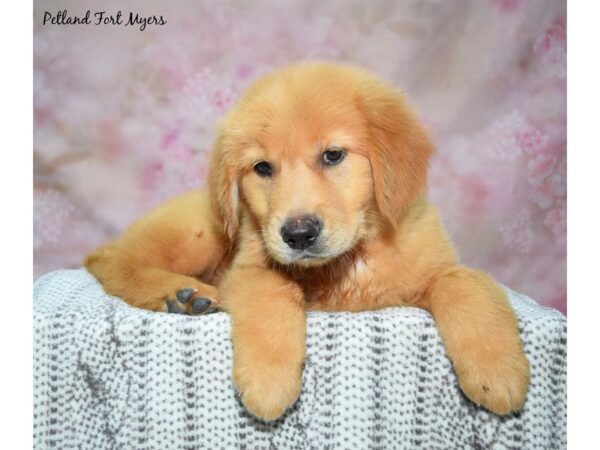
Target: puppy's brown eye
(263, 169)
(333, 156)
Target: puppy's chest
(359, 285)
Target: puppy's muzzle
(299, 233)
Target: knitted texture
(110, 376)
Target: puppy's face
(307, 184)
(306, 152)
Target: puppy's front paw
(190, 301)
(496, 381)
(267, 389)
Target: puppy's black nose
(300, 232)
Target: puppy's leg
(157, 289)
(152, 264)
(268, 334)
(480, 332)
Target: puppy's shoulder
(421, 213)
(421, 230)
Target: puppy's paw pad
(200, 305)
(173, 307)
(184, 295)
(187, 303)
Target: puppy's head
(319, 157)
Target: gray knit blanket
(109, 376)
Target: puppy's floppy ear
(223, 185)
(400, 150)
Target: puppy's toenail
(200, 305)
(172, 307)
(183, 295)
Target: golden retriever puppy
(316, 201)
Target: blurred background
(123, 118)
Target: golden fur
(382, 244)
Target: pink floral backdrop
(124, 118)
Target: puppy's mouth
(309, 259)
(315, 255)
(312, 258)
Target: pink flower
(512, 135)
(507, 6)
(169, 138)
(517, 234)
(503, 136)
(205, 96)
(245, 71)
(539, 167)
(52, 212)
(152, 174)
(552, 188)
(551, 47)
(554, 35)
(542, 196)
(532, 140)
(556, 221)
(558, 185)
(222, 99)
